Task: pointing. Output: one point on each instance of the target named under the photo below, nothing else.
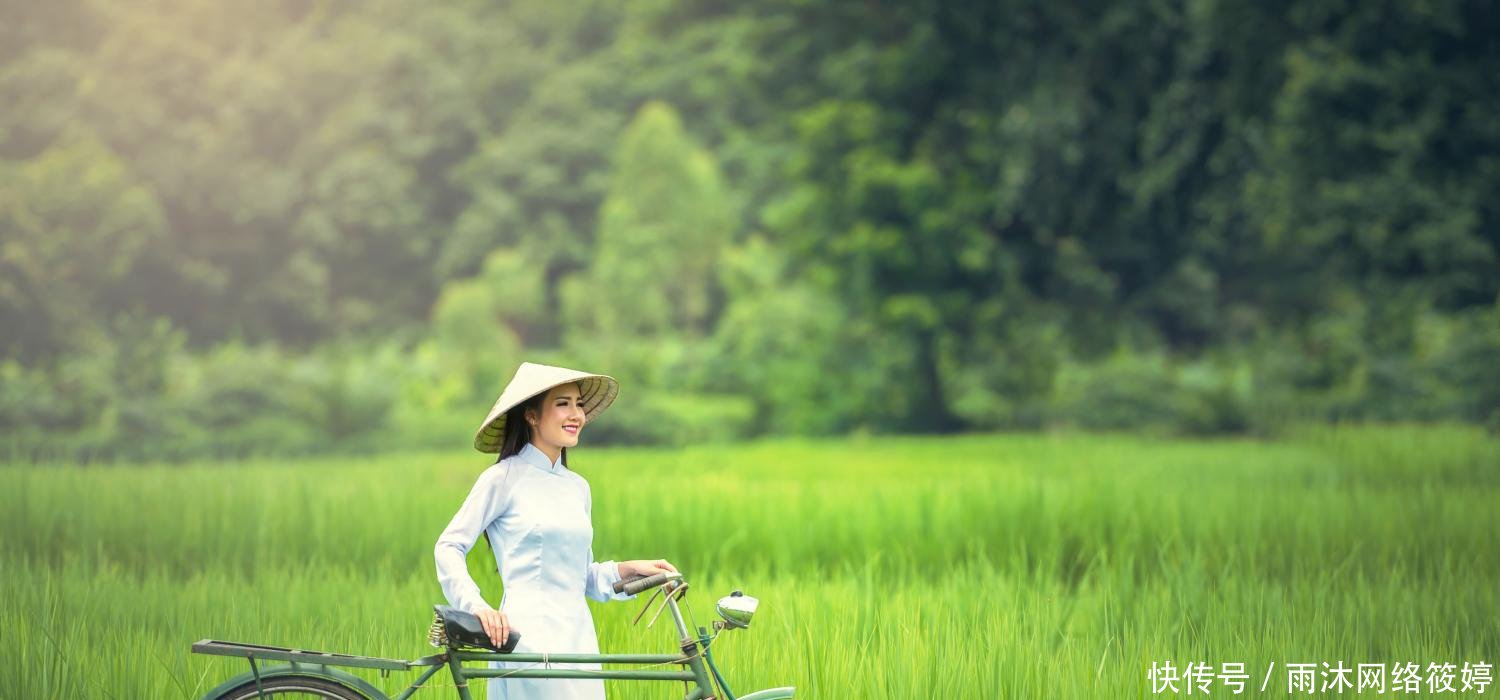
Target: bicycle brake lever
(677, 593)
(645, 607)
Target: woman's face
(559, 419)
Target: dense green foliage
(291, 225)
(1042, 565)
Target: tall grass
(1043, 565)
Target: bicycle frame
(696, 674)
(695, 657)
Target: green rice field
(1053, 565)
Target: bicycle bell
(737, 609)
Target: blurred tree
(967, 215)
(481, 325)
(1379, 168)
(777, 340)
(75, 227)
(663, 225)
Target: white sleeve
(486, 501)
(600, 579)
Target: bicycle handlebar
(637, 584)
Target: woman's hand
(645, 567)
(496, 625)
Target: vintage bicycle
(314, 674)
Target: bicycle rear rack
(255, 652)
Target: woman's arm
(485, 502)
(603, 575)
(600, 580)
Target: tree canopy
(800, 216)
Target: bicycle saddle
(455, 628)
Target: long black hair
(518, 431)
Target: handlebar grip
(638, 584)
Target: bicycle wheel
(288, 687)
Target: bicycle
(314, 673)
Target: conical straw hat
(598, 392)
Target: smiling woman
(552, 421)
(537, 515)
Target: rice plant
(1037, 565)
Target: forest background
(298, 226)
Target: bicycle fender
(770, 694)
(353, 682)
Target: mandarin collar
(538, 459)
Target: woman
(536, 513)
